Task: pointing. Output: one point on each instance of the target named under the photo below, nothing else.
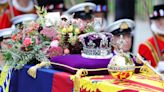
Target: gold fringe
(76, 79)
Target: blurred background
(141, 16)
(137, 10)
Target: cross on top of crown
(97, 24)
(120, 43)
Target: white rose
(54, 43)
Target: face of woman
(160, 23)
(128, 41)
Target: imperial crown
(96, 45)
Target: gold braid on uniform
(154, 52)
(3, 8)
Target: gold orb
(121, 66)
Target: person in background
(153, 48)
(3, 6)
(122, 27)
(16, 8)
(125, 28)
(83, 11)
(125, 9)
(101, 10)
(52, 5)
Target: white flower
(54, 43)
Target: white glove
(160, 66)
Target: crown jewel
(96, 45)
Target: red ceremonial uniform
(5, 18)
(149, 51)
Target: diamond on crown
(96, 45)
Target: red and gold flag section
(62, 82)
(138, 83)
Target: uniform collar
(161, 37)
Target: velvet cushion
(77, 61)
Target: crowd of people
(152, 49)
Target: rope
(76, 69)
(32, 70)
(90, 70)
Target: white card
(52, 18)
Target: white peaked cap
(6, 32)
(116, 25)
(81, 7)
(23, 18)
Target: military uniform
(122, 27)
(3, 6)
(148, 49)
(125, 9)
(101, 8)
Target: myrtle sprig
(41, 12)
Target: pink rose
(27, 42)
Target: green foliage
(41, 12)
(17, 58)
(28, 44)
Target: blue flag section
(47, 80)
